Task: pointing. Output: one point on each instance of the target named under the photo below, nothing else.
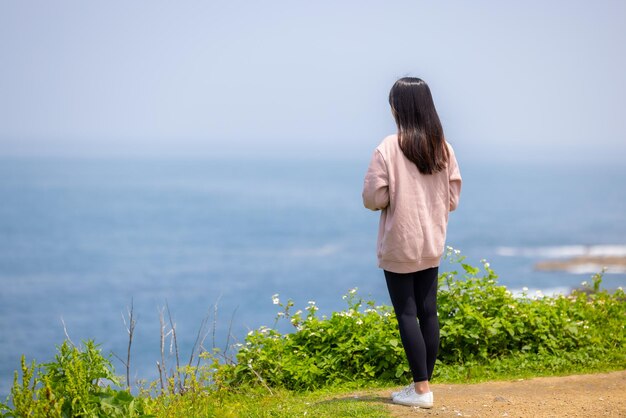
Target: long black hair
(420, 133)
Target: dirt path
(596, 395)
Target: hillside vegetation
(486, 333)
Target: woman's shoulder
(388, 142)
(450, 148)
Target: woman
(414, 179)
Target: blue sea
(82, 239)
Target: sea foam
(564, 251)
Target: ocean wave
(322, 251)
(592, 268)
(325, 250)
(550, 292)
(564, 251)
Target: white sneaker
(404, 389)
(411, 398)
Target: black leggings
(414, 296)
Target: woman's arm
(454, 175)
(376, 184)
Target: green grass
(328, 402)
(370, 399)
(524, 366)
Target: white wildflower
(487, 265)
(583, 284)
(311, 302)
(275, 299)
(359, 322)
(353, 290)
(524, 289)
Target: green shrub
(480, 321)
(352, 345)
(71, 386)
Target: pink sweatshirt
(415, 207)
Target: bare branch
(131, 331)
(229, 334)
(214, 326)
(66, 334)
(198, 343)
(198, 346)
(119, 358)
(173, 327)
(162, 368)
(261, 379)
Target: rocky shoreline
(585, 264)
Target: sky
(512, 81)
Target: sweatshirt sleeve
(455, 181)
(376, 184)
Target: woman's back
(414, 207)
